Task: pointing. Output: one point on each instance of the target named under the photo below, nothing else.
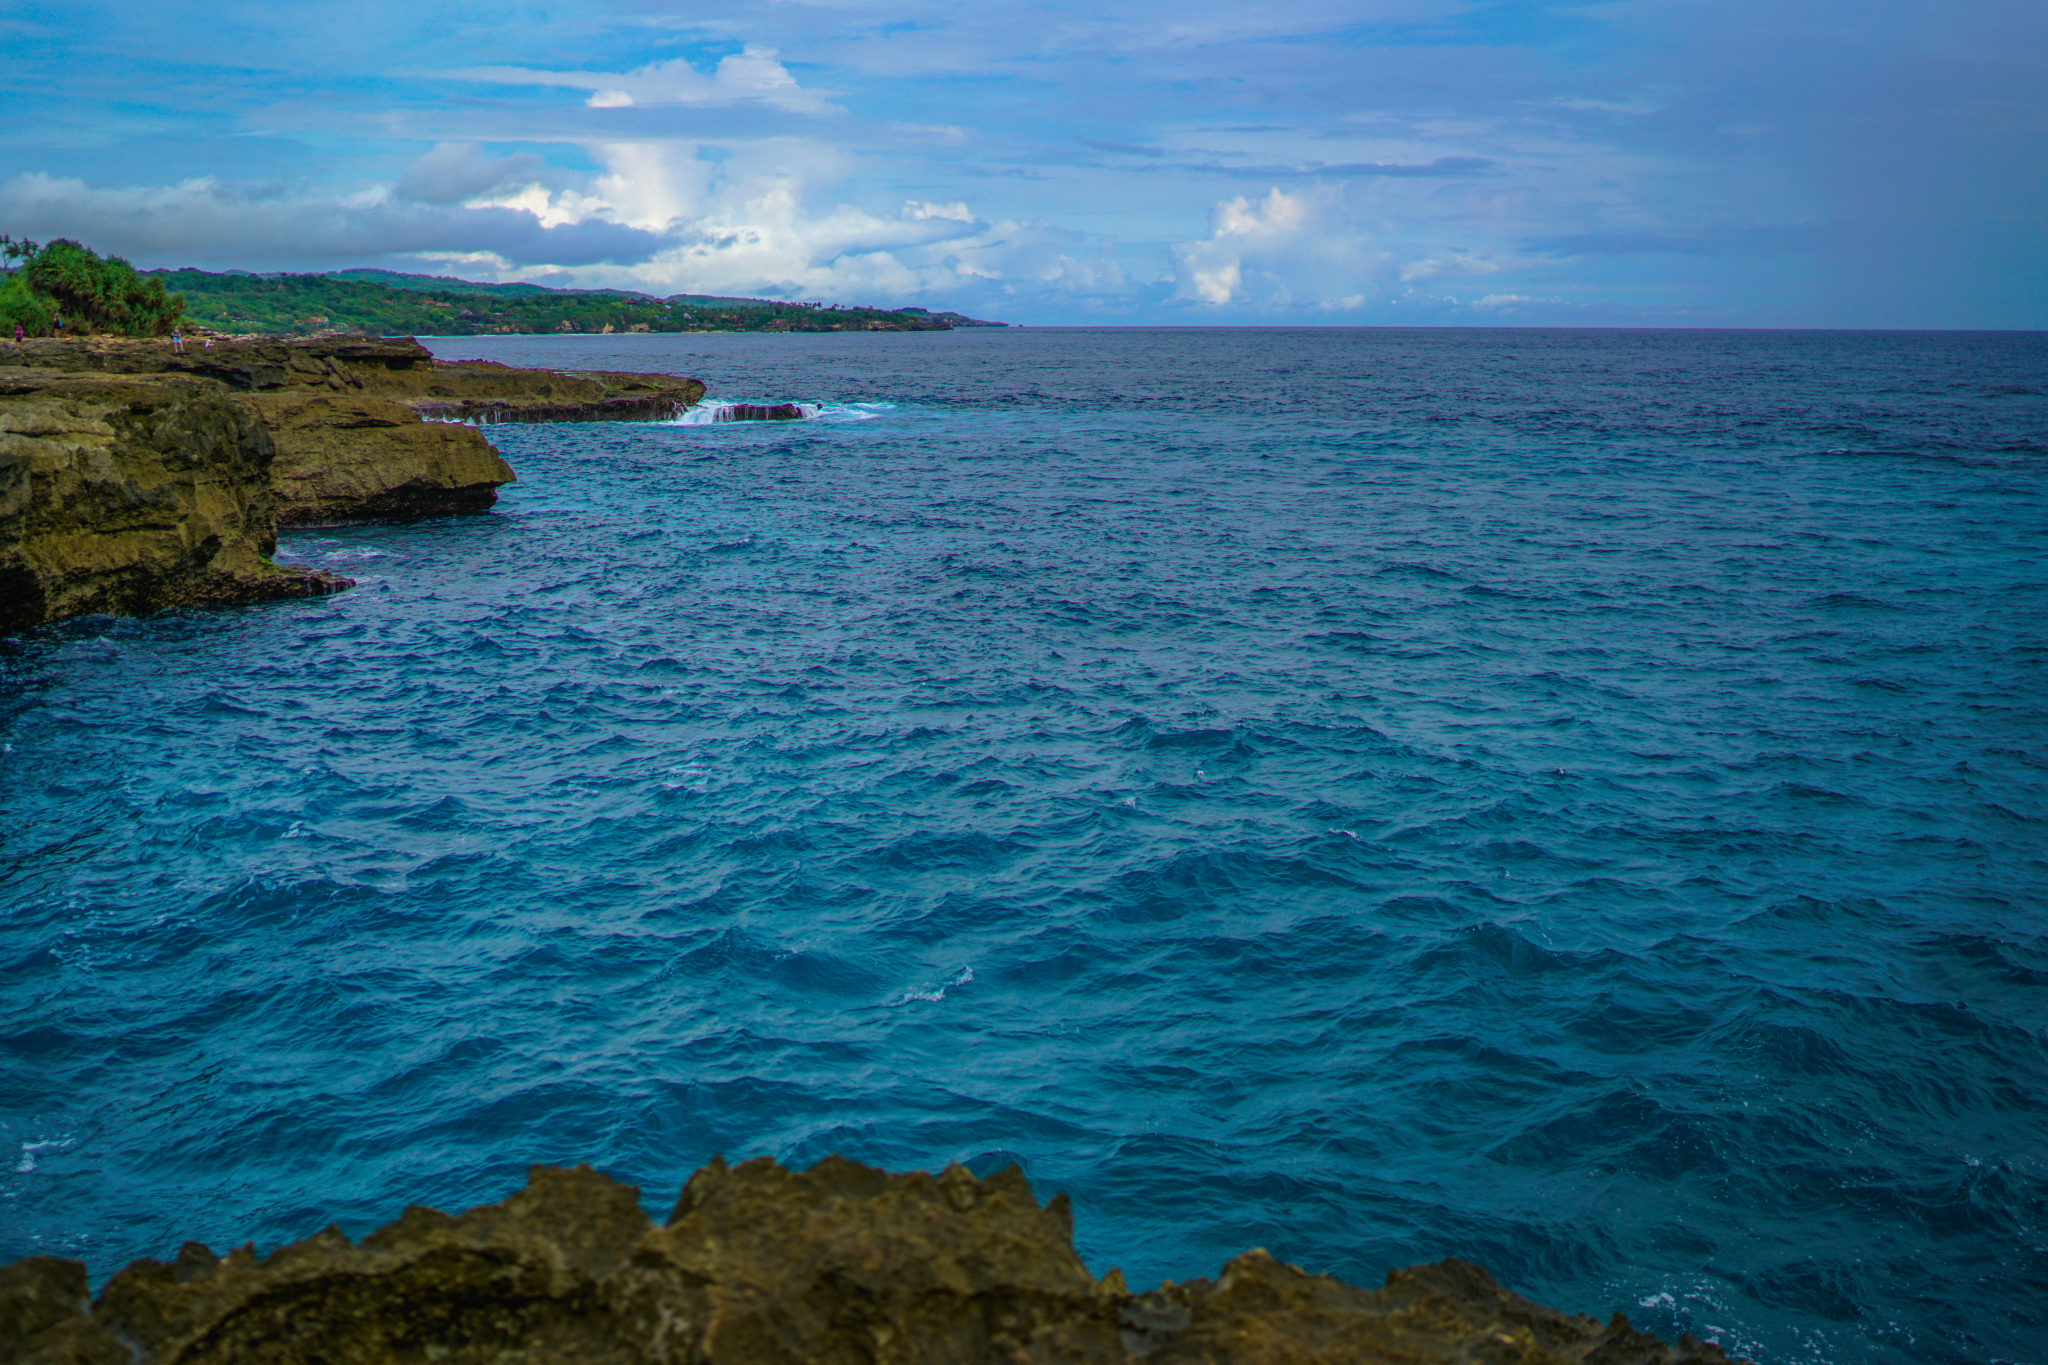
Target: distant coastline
(388, 303)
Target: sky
(1697, 163)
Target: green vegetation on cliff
(23, 307)
(416, 305)
(88, 291)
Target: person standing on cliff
(17, 334)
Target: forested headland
(421, 305)
(68, 283)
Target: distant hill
(448, 284)
(436, 284)
(390, 303)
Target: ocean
(1572, 800)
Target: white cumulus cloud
(753, 74)
(1212, 272)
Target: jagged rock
(516, 1281)
(757, 1265)
(844, 1264)
(46, 1316)
(1260, 1311)
(129, 495)
(761, 412)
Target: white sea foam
(712, 411)
(31, 1150)
(933, 994)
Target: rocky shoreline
(135, 477)
(758, 1265)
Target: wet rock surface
(757, 1265)
(761, 412)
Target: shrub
(20, 304)
(102, 292)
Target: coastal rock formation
(760, 412)
(381, 446)
(135, 477)
(345, 456)
(128, 496)
(757, 1265)
(485, 391)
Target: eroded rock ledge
(135, 478)
(839, 1265)
(126, 495)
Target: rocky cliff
(348, 456)
(839, 1265)
(136, 477)
(395, 368)
(127, 495)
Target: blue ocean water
(1572, 800)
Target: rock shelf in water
(757, 1265)
(134, 477)
(761, 412)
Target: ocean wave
(719, 412)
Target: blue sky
(1655, 162)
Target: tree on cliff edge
(102, 292)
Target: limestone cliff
(485, 391)
(128, 496)
(346, 456)
(839, 1265)
(366, 428)
(138, 477)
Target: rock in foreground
(839, 1265)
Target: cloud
(1746, 161)
(455, 171)
(222, 224)
(760, 219)
(1452, 263)
(918, 211)
(1346, 248)
(1121, 148)
(1442, 166)
(754, 74)
(1625, 106)
(1212, 272)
